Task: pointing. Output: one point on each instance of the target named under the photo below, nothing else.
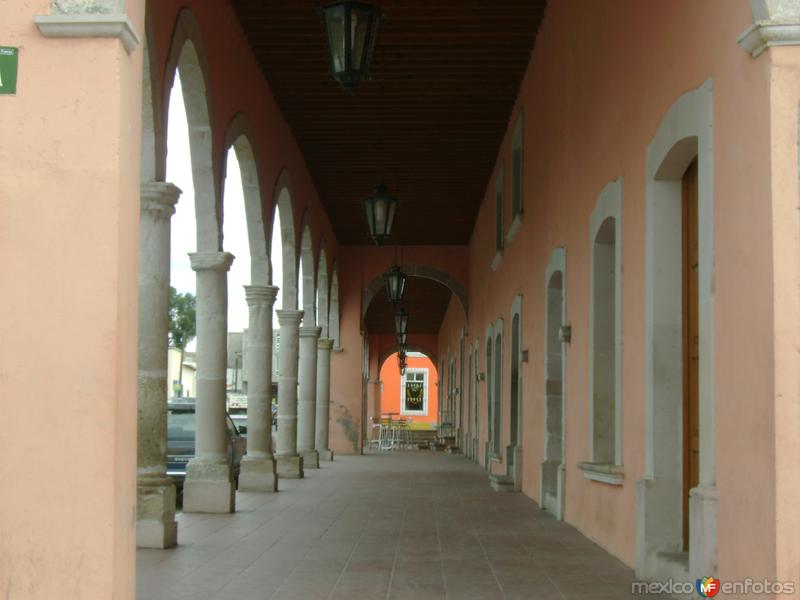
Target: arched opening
(307, 279)
(412, 395)
(553, 469)
(322, 304)
(490, 408)
(233, 203)
(677, 498)
(333, 311)
(497, 394)
(514, 462)
(182, 367)
(604, 383)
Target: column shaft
(155, 492)
(209, 483)
(323, 399)
(289, 463)
(258, 466)
(307, 404)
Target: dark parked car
(181, 427)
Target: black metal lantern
(380, 209)
(401, 322)
(351, 29)
(395, 285)
(402, 339)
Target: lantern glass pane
(359, 30)
(336, 29)
(392, 209)
(379, 210)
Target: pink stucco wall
(601, 78)
(69, 214)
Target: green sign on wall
(9, 59)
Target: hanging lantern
(351, 29)
(402, 339)
(395, 285)
(401, 321)
(380, 209)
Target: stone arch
(553, 469)
(411, 348)
(333, 310)
(283, 207)
(605, 334)
(488, 378)
(685, 134)
(418, 271)
(497, 390)
(515, 396)
(188, 57)
(322, 291)
(238, 136)
(306, 260)
(151, 111)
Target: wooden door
(691, 370)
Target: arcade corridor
(569, 229)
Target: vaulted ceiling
(444, 78)
(425, 300)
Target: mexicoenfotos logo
(707, 587)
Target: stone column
(289, 463)
(323, 399)
(307, 404)
(209, 485)
(258, 472)
(155, 492)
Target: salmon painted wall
(390, 387)
(69, 235)
(601, 79)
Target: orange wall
(390, 386)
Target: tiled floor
(413, 525)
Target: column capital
(258, 294)
(324, 344)
(308, 331)
(289, 316)
(211, 261)
(158, 199)
(775, 23)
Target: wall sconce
(565, 334)
(480, 376)
(524, 356)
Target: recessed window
(516, 169)
(499, 206)
(497, 396)
(604, 342)
(414, 392)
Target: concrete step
(501, 483)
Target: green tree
(182, 324)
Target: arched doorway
(552, 470)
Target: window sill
(603, 472)
(498, 259)
(516, 224)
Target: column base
(155, 515)
(289, 467)
(258, 475)
(325, 455)
(310, 459)
(209, 487)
